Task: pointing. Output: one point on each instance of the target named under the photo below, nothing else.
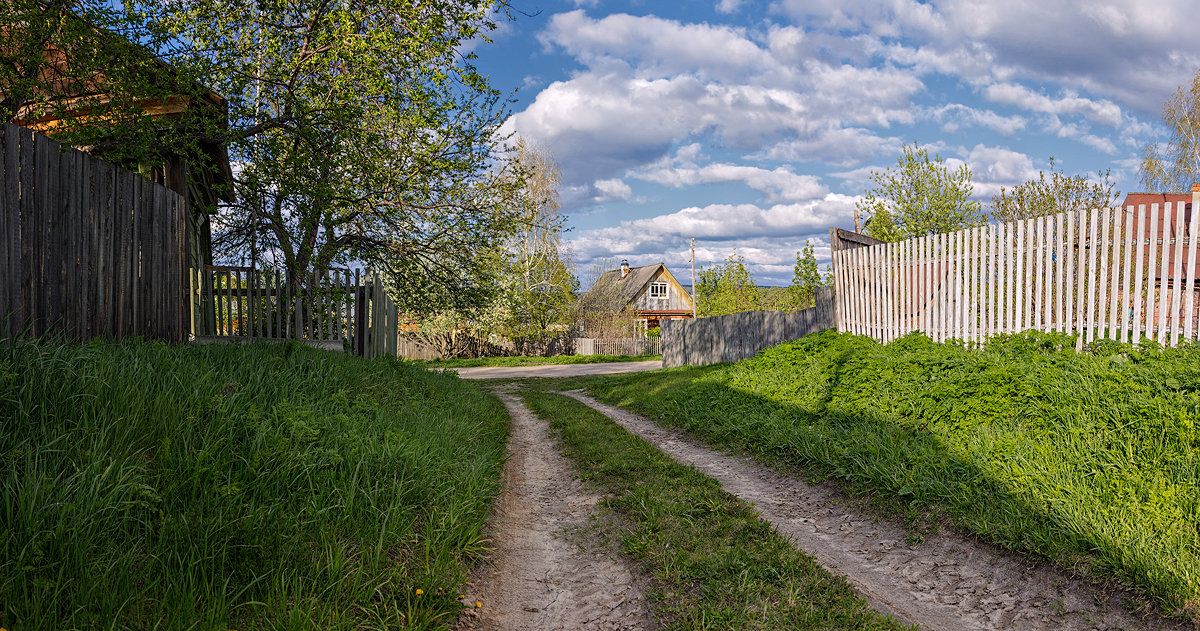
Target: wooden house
(184, 114)
(650, 293)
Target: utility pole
(693, 278)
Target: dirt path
(555, 370)
(948, 582)
(549, 570)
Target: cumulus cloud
(779, 185)
(1104, 112)
(612, 190)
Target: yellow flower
(478, 604)
(420, 591)
(460, 597)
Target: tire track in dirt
(549, 571)
(948, 582)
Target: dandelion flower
(420, 591)
(478, 604)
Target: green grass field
(715, 564)
(237, 487)
(1092, 460)
(437, 364)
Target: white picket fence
(1120, 274)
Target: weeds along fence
(340, 309)
(737, 336)
(87, 249)
(1116, 274)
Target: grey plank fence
(87, 249)
(618, 346)
(1119, 274)
(737, 336)
(336, 309)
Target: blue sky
(754, 125)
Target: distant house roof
(614, 292)
(1137, 199)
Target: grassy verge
(237, 487)
(717, 565)
(533, 361)
(1092, 460)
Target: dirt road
(948, 582)
(555, 370)
(549, 570)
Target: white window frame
(666, 292)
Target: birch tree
(1175, 166)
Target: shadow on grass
(907, 469)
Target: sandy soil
(550, 570)
(947, 582)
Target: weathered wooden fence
(734, 337)
(340, 309)
(1119, 274)
(618, 346)
(86, 249)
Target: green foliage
(1175, 167)
(726, 288)
(919, 196)
(1090, 459)
(237, 487)
(438, 364)
(93, 68)
(1059, 194)
(715, 563)
(806, 278)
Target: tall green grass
(1090, 459)
(232, 487)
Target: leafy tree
(806, 278)
(1175, 167)
(1060, 193)
(726, 288)
(75, 62)
(360, 130)
(919, 196)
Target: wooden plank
(1081, 236)
(1060, 222)
(1177, 275)
(1103, 282)
(988, 321)
(1138, 327)
(1038, 269)
(887, 277)
(1164, 278)
(1092, 272)
(1152, 331)
(1190, 287)
(1120, 311)
(902, 289)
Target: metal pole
(693, 278)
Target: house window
(658, 290)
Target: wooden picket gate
(1119, 274)
(340, 309)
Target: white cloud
(612, 190)
(955, 116)
(1103, 112)
(729, 6)
(779, 185)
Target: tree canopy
(1057, 194)
(726, 288)
(359, 131)
(919, 196)
(1175, 166)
